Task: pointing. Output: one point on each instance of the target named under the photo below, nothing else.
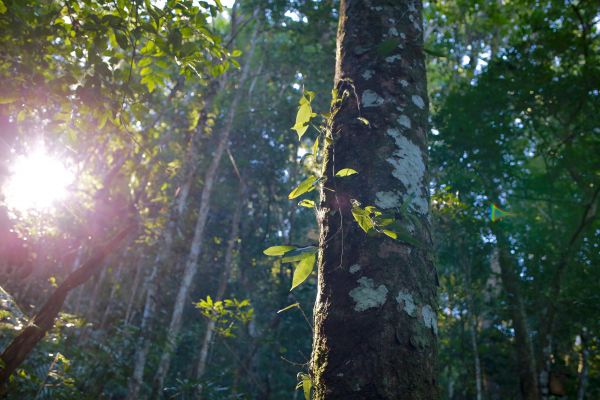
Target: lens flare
(37, 182)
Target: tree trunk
(381, 290)
(547, 329)
(191, 265)
(134, 291)
(223, 281)
(476, 361)
(584, 365)
(524, 346)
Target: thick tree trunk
(191, 265)
(223, 281)
(375, 313)
(524, 346)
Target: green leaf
(346, 172)
(299, 254)
(306, 186)
(363, 219)
(278, 250)
(306, 386)
(288, 307)
(3, 8)
(307, 203)
(391, 234)
(363, 120)
(121, 40)
(7, 99)
(304, 115)
(303, 270)
(315, 148)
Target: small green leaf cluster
(371, 219)
(226, 313)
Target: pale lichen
(429, 318)
(354, 268)
(393, 58)
(368, 74)
(406, 300)
(418, 101)
(371, 99)
(404, 121)
(387, 200)
(366, 296)
(409, 168)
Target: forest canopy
(317, 199)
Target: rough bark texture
(375, 313)
(191, 266)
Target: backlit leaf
(278, 250)
(346, 172)
(306, 186)
(303, 270)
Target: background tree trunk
(523, 343)
(191, 266)
(223, 281)
(381, 290)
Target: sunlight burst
(37, 181)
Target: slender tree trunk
(524, 346)
(134, 290)
(223, 281)
(191, 266)
(473, 329)
(91, 306)
(476, 361)
(584, 365)
(113, 292)
(547, 329)
(381, 290)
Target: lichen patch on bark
(429, 318)
(371, 99)
(366, 296)
(409, 168)
(418, 101)
(404, 121)
(406, 300)
(354, 268)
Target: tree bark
(191, 266)
(381, 291)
